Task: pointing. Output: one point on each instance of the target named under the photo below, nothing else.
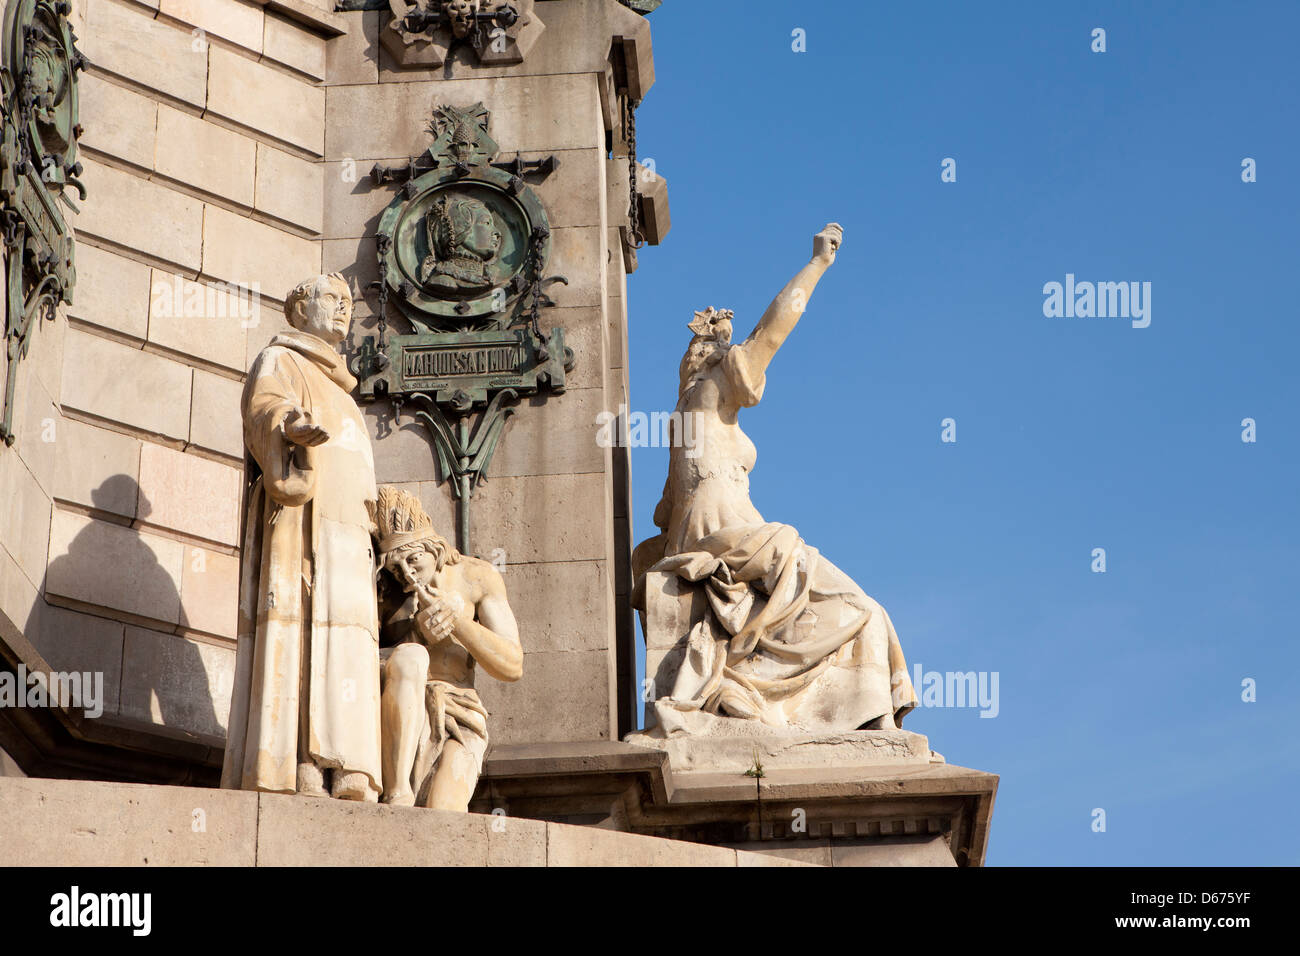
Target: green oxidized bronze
(462, 255)
(38, 161)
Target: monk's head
(321, 306)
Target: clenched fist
(826, 243)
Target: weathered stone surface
(9, 767)
(112, 292)
(206, 157)
(253, 254)
(182, 492)
(44, 362)
(565, 695)
(200, 320)
(568, 516)
(589, 846)
(93, 823)
(233, 20)
(265, 99)
(117, 121)
(142, 215)
(214, 415)
(354, 258)
(546, 113)
(288, 188)
(19, 596)
(74, 641)
(270, 323)
(123, 384)
(97, 468)
(552, 435)
(561, 605)
(96, 563)
(901, 851)
(789, 853)
(749, 740)
(353, 58)
(297, 831)
(579, 253)
(36, 424)
(210, 592)
(172, 682)
(26, 509)
(584, 332)
(294, 45)
(515, 842)
(122, 824)
(123, 39)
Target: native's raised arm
(783, 314)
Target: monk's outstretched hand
(301, 430)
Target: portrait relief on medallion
(464, 240)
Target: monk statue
(444, 613)
(784, 638)
(304, 713)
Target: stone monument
(784, 640)
(306, 698)
(155, 446)
(450, 615)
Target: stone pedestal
(904, 811)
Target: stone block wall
(554, 508)
(226, 148)
(204, 132)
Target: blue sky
(1120, 690)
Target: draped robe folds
(451, 712)
(308, 621)
(788, 639)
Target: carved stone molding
(423, 32)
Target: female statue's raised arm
(783, 314)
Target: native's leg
(402, 715)
(454, 779)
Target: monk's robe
(307, 663)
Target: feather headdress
(400, 518)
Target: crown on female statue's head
(400, 518)
(713, 323)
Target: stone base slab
(45, 822)
(759, 750)
(910, 812)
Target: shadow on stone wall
(151, 677)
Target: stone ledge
(886, 814)
(88, 823)
(738, 754)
